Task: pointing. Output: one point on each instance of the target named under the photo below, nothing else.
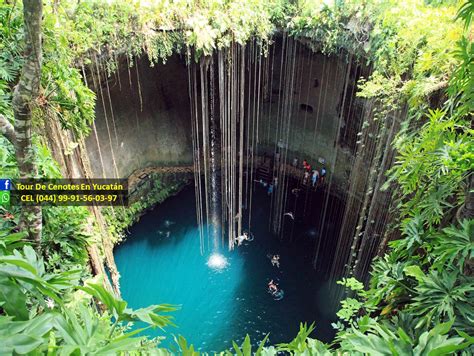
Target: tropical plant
(419, 300)
(64, 321)
(445, 296)
(373, 338)
(454, 246)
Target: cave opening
(247, 118)
(268, 177)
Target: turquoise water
(160, 262)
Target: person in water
(272, 287)
(276, 260)
(242, 238)
(290, 215)
(296, 191)
(168, 223)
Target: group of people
(311, 176)
(315, 175)
(273, 289)
(272, 285)
(165, 231)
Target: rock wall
(319, 111)
(151, 115)
(152, 125)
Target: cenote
(297, 177)
(160, 262)
(269, 140)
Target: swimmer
(272, 287)
(242, 238)
(164, 233)
(290, 214)
(168, 223)
(261, 182)
(296, 191)
(275, 260)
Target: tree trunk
(73, 166)
(24, 98)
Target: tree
(23, 102)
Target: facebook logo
(5, 184)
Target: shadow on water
(218, 307)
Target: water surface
(160, 262)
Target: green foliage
(10, 59)
(8, 164)
(417, 292)
(465, 13)
(373, 338)
(424, 272)
(299, 343)
(47, 166)
(442, 296)
(120, 312)
(246, 348)
(349, 308)
(60, 321)
(184, 348)
(454, 245)
(387, 284)
(64, 236)
(119, 219)
(352, 283)
(431, 165)
(461, 82)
